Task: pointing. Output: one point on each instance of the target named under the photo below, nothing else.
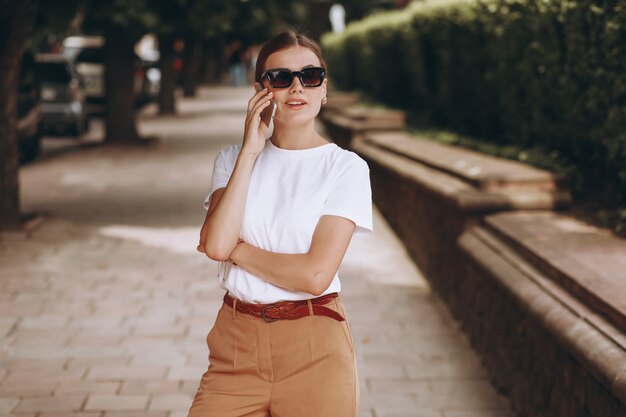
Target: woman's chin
(294, 120)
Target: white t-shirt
(289, 191)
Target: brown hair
(283, 40)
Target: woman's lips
(295, 104)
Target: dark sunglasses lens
(312, 77)
(281, 79)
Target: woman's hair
(283, 40)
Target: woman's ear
(258, 86)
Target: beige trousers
(286, 368)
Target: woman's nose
(296, 85)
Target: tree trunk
(191, 67)
(13, 24)
(167, 101)
(205, 62)
(119, 62)
(319, 22)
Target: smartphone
(267, 115)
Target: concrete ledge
(554, 326)
(481, 171)
(346, 124)
(540, 296)
(590, 263)
(429, 208)
(337, 101)
(470, 181)
(367, 120)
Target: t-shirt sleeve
(351, 196)
(220, 177)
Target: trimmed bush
(548, 73)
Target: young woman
(281, 213)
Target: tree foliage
(528, 73)
(134, 17)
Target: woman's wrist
(245, 153)
(234, 258)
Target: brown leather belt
(289, 310)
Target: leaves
(516, 73)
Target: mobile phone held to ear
(267, 115)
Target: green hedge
(549, 73)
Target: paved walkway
(105, 307)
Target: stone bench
(543, 298)
(430, 192)
(337, 101)
(344, 121)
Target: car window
(91, 55)
(54, 72)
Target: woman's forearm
(310, 272)
(294, 272)
(223, 224)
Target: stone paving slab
(104, 308)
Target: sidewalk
(105, 308)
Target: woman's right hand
(254, 132)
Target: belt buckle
(267, 319)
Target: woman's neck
(297, 137)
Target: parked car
(147, 81)
(88, 54)
(29, 112)
(63, 96)
(148, 70)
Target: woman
(281, 213)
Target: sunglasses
(283, 77)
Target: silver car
(88, 55)
(63, 96)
